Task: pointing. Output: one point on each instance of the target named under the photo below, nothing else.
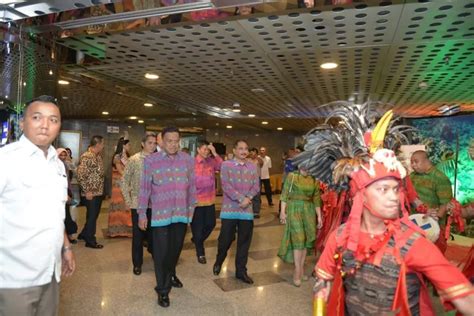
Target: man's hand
(212, 149)
(282, 217)
(68, 263)
(89, 196)
(143, 223)
(320, 222)
(432, 213)
(246, 202)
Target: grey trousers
(30, 301)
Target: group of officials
(166, 190)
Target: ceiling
(415, 55)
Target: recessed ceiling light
(141, 121)
(151, 76)
(265, 123)
(422, 85)
(329, 65)
(229, 126)
(63, 82)
(148, 104)
(257, 90)
(133, 117)
(24, 84)
(289, 115)
(236, 110)
(105, 113)
(50, 72)
(251, 115)
(280, 128)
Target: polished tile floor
(104, 284)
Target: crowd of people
(375, 260)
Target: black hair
(236, 143)
(69, 151)
(118, 151)
(169, 129)
(255, 150)
(43, 99)
(202, 142)
(95, 140)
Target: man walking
(204, 219)
(376, 262)
(130, 189)
(168, 181)
(239, 185)
(34, 248)
(258, 162)
(90, 176)
(265, 174)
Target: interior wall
(89, 128)
(276, 142)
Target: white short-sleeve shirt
(33, 192)
(267, 164)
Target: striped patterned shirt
(239, 180)
(168, 181)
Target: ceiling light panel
(207, 65)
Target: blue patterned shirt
(239, 180)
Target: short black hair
(236, 143)
(43, 99)
(95, 140)
(169, 129)
(202, 142)
(255, 150)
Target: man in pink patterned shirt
(168, 181)
(204, 219)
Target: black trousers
(268, 190)
(167, 246)
(138, 236)
(69, 223)
(93, 210)
(244, 238)
(204, 221)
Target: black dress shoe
(202, 259)
(80, 237)
(216, 269)
(256, 216)
(137, 270)
(73, 241)
(244, 278)
(163, 300)
(175, 282)
(94, 245)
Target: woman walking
(120, 219)
(300, 206)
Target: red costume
(382, 274)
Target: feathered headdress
(347, 139)
(350, 154)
